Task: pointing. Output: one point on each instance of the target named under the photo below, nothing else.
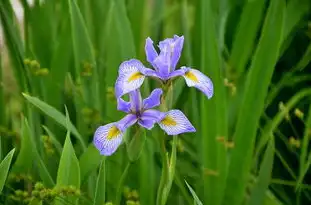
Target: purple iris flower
(107, 138)
(132, 72)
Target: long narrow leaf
(253, 102)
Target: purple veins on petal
(131, 77)
(107, 139)
(195, 78)
(175, 122)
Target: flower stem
(168, 166)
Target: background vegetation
(58, 72)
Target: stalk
(168, 166)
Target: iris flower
(107, 138)
(132, 73)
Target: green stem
(168, 166)
(121, 181)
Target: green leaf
(84, 57)
(100, 191)
(213, 112)
(264, 177)
(89, 161)
(68, 171)
(136, 144)
(245, 37)
(253, 102)
(35, 202)
(55, 115)
(194, 195)
(4, 168)
(29, 155)
(24, 160)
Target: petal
(123, 105)
(175, 123)
(162, 63)
(178, 72)
(149, 118)
(195, 78)
(154, 99)
(151, 53)
(171, 50)
(126, 122)
(135, 101)
(107, 139)
(177, 48)
(130, 77)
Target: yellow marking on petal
(169, 121)
(191, 76)
(113, 133)
(134, 76)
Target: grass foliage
(58, 69)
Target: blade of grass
(213, 112)
(100, 193)
(264, 177)
(194, 195)
(253, 102)
(245, 37)
(55, 115)
(68, 171)
(4, 168)
(89, 161)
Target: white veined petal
(130, 77)
(195, 78)
(175, 122)
(107, 139)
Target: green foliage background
(57, 79)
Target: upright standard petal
(123, 105)
(149, 118)
(153, 100)
(176, 50)
(136, 101)
(151, 53)
(175, 122)
(195, 78)
(130, 77)
(107, 139)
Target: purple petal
(126, 122)
(175, 122)
(195, 78)
(107, 139)
(135, 101)
(149, 118)
(171, 51)
(130, 77)
(178, 72)
(162, 63)
(153, 100)
(151, 53)
(123, 105)
(177, 48)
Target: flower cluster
(132, 74)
